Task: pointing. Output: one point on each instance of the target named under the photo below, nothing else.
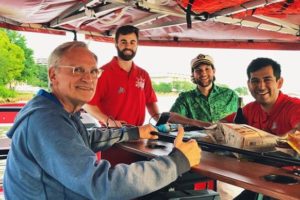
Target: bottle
(239, 117)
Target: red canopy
(254, 24)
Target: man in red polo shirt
(124, 89)
(272, 111)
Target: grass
(18, 98)
(3, 131)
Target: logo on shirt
(121, 90)
(140, 83)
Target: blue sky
(230, 63)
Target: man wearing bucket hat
(207, 102)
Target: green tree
(31, 70)
(11, 60)
(42, 80)
(162, 87)
(177, 86)
(242, 91)
(180, 86)
(222, 85)
(33, 74)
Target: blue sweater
(52, 157)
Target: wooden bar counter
(245, 174)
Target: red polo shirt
(122, 95)
(283, 117)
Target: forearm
(103, 138)
(96, 112)
(180, 119)
(150, 176)
(153, 110)
(181, 161)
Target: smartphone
(163, 118)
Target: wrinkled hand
(145, 132)
(190, 148)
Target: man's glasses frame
(80, 71)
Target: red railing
(9, 111)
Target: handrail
(3, 154)
(10, 108)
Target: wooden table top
(245, 174)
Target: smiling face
(204, 75)
(74, 90)
(127, 46)
(264, 87)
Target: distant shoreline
(167, 94)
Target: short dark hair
(125, 30)
(260, 63)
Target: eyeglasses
(80, 71)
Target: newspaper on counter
(243, 136)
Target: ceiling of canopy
(255, 24)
